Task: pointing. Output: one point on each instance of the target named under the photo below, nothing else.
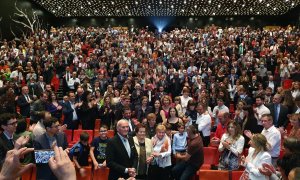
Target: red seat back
(211, 155)
(97, 124)
(236, 175)
(213, 174)
(110, 133)
(88, 174)
(101, 174)
(69, 134)
(76, 135)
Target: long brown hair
(238, 131)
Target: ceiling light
(136, 2)
(195, 6)
(81, 7)
(274, 8)
(149, 6)
(160, 2)
(172, 6)
(112, 3)
(184, 2)
(182, 10)
(89, 3)
(268, 5)
(219, 5)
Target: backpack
(72, 150)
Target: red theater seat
(97, 124)
(88, 174)
(76, 135)
(110, 133)
(213, 175)
(101, 174)
(235, 175)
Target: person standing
(121, 154)
(192, 159)
(51, 138)
(160, 167)
(24, 102)
(8, 123)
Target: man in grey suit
(47, 141)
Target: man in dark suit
(69, 111)
(121, 155)
(24, 102)
(8, 125)
(51, 138)
(278, 111)
(37, 107)
(40, 86)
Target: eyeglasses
(12, 124)
(56, 126)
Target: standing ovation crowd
(167, 96)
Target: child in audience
(180, 140)
(98, 148)
(80, 152)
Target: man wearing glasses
(51, 138)
(8, 126)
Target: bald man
(121, 155)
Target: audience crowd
(167, 96)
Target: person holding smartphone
(47, 141)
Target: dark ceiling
(76, 8)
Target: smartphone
(43, 156)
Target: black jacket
(117, 158)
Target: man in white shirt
(260, 109)
(220, 108)
(73, 81)
(272, 134)
(204, 123)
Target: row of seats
(102, 174)
(99, 174)
(73, 136)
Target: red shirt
(221, 129)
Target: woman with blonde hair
(257, 156)
(231, 147)
(160, 167)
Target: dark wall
(293, 18)
(7, 10)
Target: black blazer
(41, 142)
(68, 114)
(117, 158)
(24, 105)
(5, 146)
(282, 118)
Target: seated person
(80, 153)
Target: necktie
(11, 142)
(127, 146)
(68, 77)
(276, 113)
